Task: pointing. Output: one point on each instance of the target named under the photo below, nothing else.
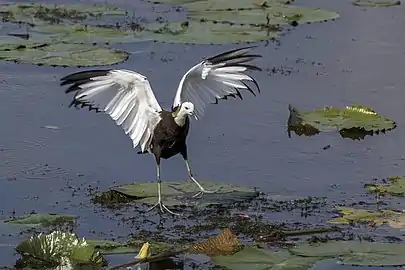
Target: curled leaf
(223, 244)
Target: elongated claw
(203, 191)
(163, 208)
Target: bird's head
(187, 108)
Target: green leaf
(41, 13)
(44, 219)
(61, 54)
(272, 15)
(352, 215)
(177, 193)
(257, 259)
(81, 34)
(355, 252)
(58, 249)
(234, 4)
(352, 122)
(368, 3)
(208, 33)
(395, 186)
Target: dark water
(359, 58)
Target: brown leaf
(223, 244)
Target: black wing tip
(233, 54)
(83, 76)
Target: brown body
(169, 139)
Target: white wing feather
(215, 78)
(127, 97)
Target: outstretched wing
(218, 77)
(126, 96)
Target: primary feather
(216, 78)
(126, 96)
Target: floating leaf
(178, 193)
(257, 259)
(234, 4)
(61, 54)
(355, 252)
(223, 244)
(208, 33)
(57, 249)
(395, 186)
(90, 34)
(353, 122)
(272, 15)
(40, 13)
(353, 215)
(46, 219)
(368, 3)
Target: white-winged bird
(127, 97)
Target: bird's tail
(142, 152)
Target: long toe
(163, 208)
(201, 193)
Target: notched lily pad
(41, 13)
(208, 33)
(271, 15)
(354, 122)
(45, 219)
(177, 194)
(62, 54)
(258, 259)
(58, 249)
(87, 34)
(369, 3)
(235, 4)
(393, 185)
(360, 253)
(375, 218)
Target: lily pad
(46, 219)
(179, 193)
(353, 215)
(235, 4)
(258, 259)
(208, 33)
(58, 249)
(368, 3)
(41, 13)
(272, 15)
(395, 186)
(82, 34)
(359, 253)
(61, 54)
(353, 122)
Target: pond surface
(359, 58)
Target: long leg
(190, 175)
(159, 203)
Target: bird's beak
(194, 115)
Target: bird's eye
(186, 108)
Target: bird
(127, 97)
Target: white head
(186, 109)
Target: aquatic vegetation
(58, 249)
(370, 3)
(176, 194)
(61, 54)
(42, 219)
(353, 122)
(42, 13)
(360, 253)
(393, 186)
(351, 216)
